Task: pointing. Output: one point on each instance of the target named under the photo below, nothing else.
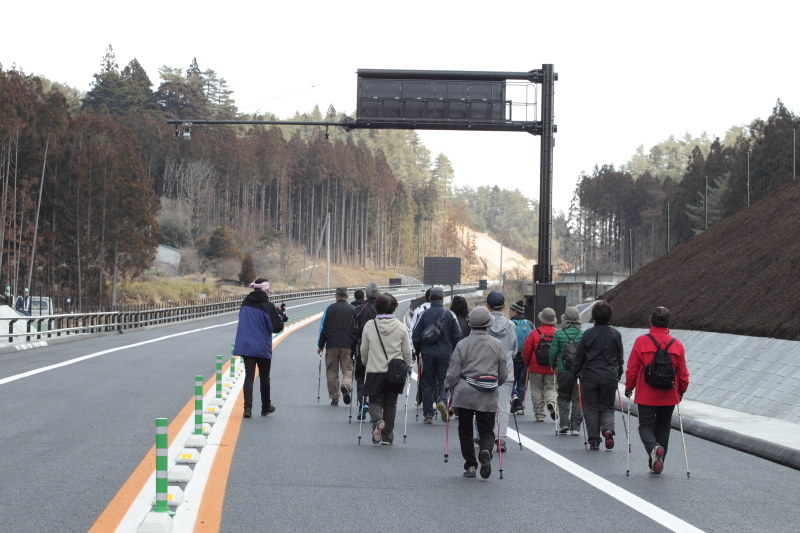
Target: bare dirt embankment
(487, 251)
(742, 276)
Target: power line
(277, 97)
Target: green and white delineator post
(197, 439)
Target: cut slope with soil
(742, 276)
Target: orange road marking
(210, 513)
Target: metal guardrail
(93, 323)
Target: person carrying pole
(384, 340)
(362, 313)
(505, 331)
(657, 372)
(598, 366)
(536, 355)
(334, 338)
(524, 327)
(477, 368)
(562, 355)
(258, 320)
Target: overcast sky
(630, 73)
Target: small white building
(168, 260)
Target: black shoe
(486, 463)
(345, 395)
(248, 413)
(268, 410)
(594, 446)
(334, 402)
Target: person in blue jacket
(258, 320)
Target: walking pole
(680, 420)
(515, 425)
(447, 430)
(622, 411)
(319, 376)
(405, 423)
(419, 382)
(628, 461)
(499, 448)
(352, 378)
(583, 423)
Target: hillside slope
(487, 250)
(741, 276)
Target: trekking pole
(628, 461)
(447, 430)
(319, 376)
(499, 448)
(515, 425)
(350, 415)
(622, 411)
(419, 382)
(680, 420)
(405, 423)
(583, 422)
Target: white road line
(636, 503)
(104, 352)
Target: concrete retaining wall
(750, 374)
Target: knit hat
(480, 317)
(518, 306)
(495, 300)
(372, 290)
(571, 316)
(547, 316)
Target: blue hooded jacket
(258, 320)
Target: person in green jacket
(565, 346)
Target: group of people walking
(478, 366)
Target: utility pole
(667, 227)
(748, 179)
(705, 201)
(328, 250)
(501, 265)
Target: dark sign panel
(442, 271)
(395, 281)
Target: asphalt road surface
(73, 435)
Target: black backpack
(570, 352)
(434, 332)
(543, 350)
(660, 374)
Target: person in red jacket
(656, 405)
(541, 377)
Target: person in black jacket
(460, 308)
(435, 356)
(358, 298)
(598, 366)
(258, 320)
(334, 338)
(361, 315)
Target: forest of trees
(92, 182)
(661, 199)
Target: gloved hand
(628, 393)
(553, 369)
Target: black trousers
(598, 409)
(655, 424)
(250, 364)
(485, 423)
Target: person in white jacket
(384, 338)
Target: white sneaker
(576, 433)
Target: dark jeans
(569, 407)
(655, 423)
(598, 409)
(485, 423)
(520, 385)
(264, 365)
(383, 406)
(434, 370)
